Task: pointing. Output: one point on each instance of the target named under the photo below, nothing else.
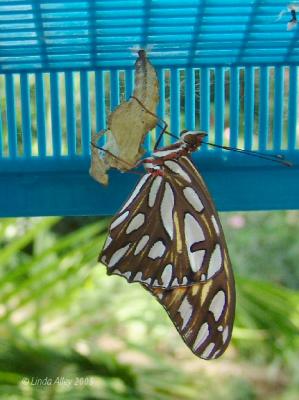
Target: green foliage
(70, 331)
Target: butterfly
(168, 237)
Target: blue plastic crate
(225, 67)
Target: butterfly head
(192, 139)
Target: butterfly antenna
(278, 158)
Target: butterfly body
(168, 237)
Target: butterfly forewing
(168, 233)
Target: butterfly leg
(164, 129)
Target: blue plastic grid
(223, 67)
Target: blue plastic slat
(278, 108)
(100, 100)
(264, 108)
(85, 112)
(25, 109)
(129, 83)
(219, 106)
(190, 99)
(234, 106)
(40, 114)
(70, 113)
(11, 115)
(161, 105)
(249, 107)
(114, 93)
(1, 125)
(55, 113)
(293, 105)
(174, 102)
(205, 101)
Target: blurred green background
(68, 331)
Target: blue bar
(189, 99)
(249, 107)
(114, 92)
(161, 105)
(40, 114)
(55, 114)
(174, 102)
(234, 106)
(205, 102)
(278, 107)
(11, 116)
(100, 100)
(1, 122)
(219, 106)
(264, 108)
(70, 113)
(26, 122)
(129, 85)
(85, 113)
(293, 104)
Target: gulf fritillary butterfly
(168, 237)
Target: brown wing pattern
(169, 238)
(202, 313)
(168, 234)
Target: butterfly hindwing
(202, 313)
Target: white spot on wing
(185, 310)
(108, 241)
(154, 190)
(135, 223)
(127, 274)
(136, 191)
(185, 281)
(217, 304)
(141, 244)
(119, 220)
(207, 351)
(175, 282)
(193, 199)
(216, 354)
(220, 328)
(215, 262)
(166, 210)
(216, 226)
(177, 169)
(118, 255)
(225, 334)
(203, 333)
(138, 276)
(193, 234)
(157, 250)
(166, 275)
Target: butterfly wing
(168, 233)
(202, 313)
(169, 238)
